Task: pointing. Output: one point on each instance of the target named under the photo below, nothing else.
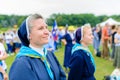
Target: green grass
(103, 67)
(9, 61)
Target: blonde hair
(86, 27)
(31, 18)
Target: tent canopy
(110, 21)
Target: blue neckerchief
(80, 47)
(1, 62)
(26, 51)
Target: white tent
(110, 21)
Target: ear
(30, 37)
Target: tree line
(62, 19)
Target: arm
(21, 70)
(111, 39)
(4, 56)
(5, 76)
(96, 35)
(116, 39)
(64, 41)
(76, 68)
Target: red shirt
(105, 34)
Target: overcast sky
(48, 7)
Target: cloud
(48, 7)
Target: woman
(112, 40)
(116, 61)
(96, 40)
(3, 56)
(68, 40)
(82, 66)
(33, 62)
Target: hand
(5, 76)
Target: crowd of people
(109, 40)
(35, 45)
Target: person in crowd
(3, 56)
(96, 41)
(116, 61)
(50, 46)
(61, 32)
(68, 40)
(100, 32)
(33, 62)
(82, 65)
(113, 31)
(16, 42)
(9, 42)
(3, 74)
(105, 41)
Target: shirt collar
(39, 50)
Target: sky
(48, 7)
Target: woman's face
(39, 33)
(87, 37)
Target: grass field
(103, 67)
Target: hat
(79, 32)
(61, 27)
(71, 28)
(23, 33)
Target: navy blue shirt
(68, 48)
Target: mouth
(45, 37)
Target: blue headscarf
(22, 33)
(78, 35)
